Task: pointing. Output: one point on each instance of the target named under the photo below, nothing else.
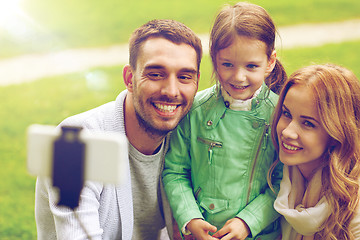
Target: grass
(343, 54)
(48, 101)
(56, 25)
(60, 24)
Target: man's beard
(149, 128)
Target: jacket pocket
(213, 205)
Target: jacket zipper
(196, 194)
(265, 134)
(211, 144)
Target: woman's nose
(290, 131)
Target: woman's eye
(286, 114)
(309, 124)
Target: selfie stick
(68, 166)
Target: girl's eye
(252, 66)
(226, 64)
(309, 124)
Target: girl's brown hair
(336, 91)
(246, 19)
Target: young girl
(317, 123)
(215, 170)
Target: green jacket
(218, 161)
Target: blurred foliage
(59, 24)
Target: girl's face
(302, 138)
(243, 66)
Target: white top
(297, 218)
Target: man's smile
(166, 108)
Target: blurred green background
(59, 24)
(39, 26)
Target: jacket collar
(218, 108)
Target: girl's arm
(177, 177)
(260, 212)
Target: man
(161, 82)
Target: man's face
(164, 84)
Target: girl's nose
(240, 75)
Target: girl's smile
(243, 66)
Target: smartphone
(105, 158)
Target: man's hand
(234, 228)
(200, 229)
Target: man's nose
(171, 87)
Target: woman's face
(302, 138)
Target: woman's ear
(333, 143)
(271, 63)
(128, 77)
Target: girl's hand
(200, 229)
(234, 228)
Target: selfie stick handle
(68, 166)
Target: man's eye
(154, 75)
(186, 78)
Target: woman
(317, 122)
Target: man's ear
(128, 77)
(271, 63)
